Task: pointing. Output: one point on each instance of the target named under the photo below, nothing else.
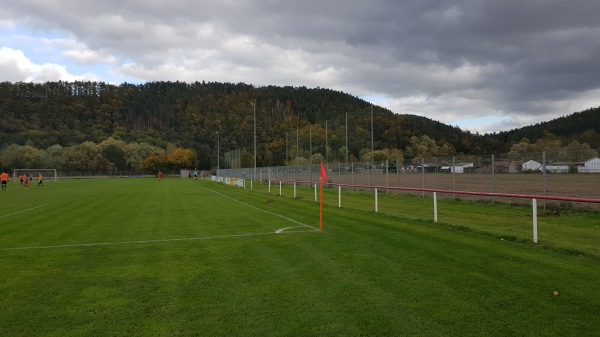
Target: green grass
(134, 257)
(569, 230)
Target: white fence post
(339, 196)
(315, 192)
(376, 202)
(435, 212)
(269, 185)
(294, 190)
(280, 188)
(535, 231)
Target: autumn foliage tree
(182, 158)
(155, 163)
(175, 160)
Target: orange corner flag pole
(323, 177)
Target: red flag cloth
(323, 173)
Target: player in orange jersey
(4, 180)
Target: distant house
(515, 166)
(501, 166)
(590, 166)
(558, 167)
(531, 165)
(421, 168)
(457, 168)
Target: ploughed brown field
(553, 184)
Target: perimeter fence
(540, 174)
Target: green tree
(426, 147)
(16, 156)
(317, 158)
(518, 150)
(86, 156)
(135, 154)
(52, 157)
(114, 151)
(378, 156)
(577, 152)
(590, 137)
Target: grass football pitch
(184, 257)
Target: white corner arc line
(281, 230)
(23, 211)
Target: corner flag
(323, 173)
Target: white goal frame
(47, 174)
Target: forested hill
(583, 126)
(289, 120)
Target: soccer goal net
(33, 174)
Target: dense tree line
(108, 156)
(292, 123)
(583, 127)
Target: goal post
(47, 174)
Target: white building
(458, 168)
(590, 166)
(557, 168)
(531, 165)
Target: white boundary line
(262, 210)
(23, 211)
(95, 244)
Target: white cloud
(7, 24)
(79, 52)
(16, 67)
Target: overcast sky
(483, 65)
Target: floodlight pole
(254, 108)
(347, 149)
(372, 147)
(310, 152)
(326, 145)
